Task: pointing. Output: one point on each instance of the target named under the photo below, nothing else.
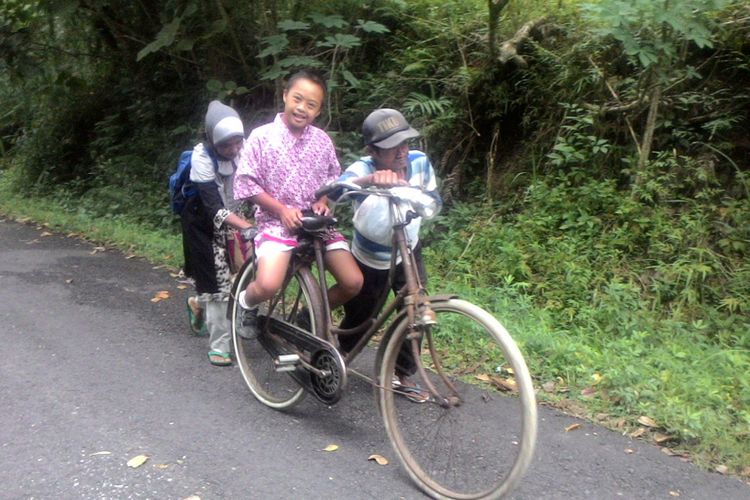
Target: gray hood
(222, 123)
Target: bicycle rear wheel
(256, 356)
(480, 440)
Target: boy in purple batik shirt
(280, 167)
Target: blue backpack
(180, 187)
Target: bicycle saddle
(313, 223)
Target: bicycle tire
(275, 389)
(482, 447)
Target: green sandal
(197, 325)
(217, 358)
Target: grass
(669, 385)
(162, 246)
(595, 344)
(617, 363)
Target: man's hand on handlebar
(384, 178)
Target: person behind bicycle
(207, 220)
(390, 162)
(281, 167)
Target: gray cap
(386, 128)
(222, 123)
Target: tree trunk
(491, 155)
(648, 135)
(495, 8)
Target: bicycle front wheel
(475, 437)
(255, 356)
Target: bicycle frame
(411, 296)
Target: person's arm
(237, 221)
(203, 175)
(209, 195)
(379, 178)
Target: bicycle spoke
(471, 440)
(256, 356)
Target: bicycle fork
(421, 319)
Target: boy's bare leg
(269, 278)
(349, 278)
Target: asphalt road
(93, 373)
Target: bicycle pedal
(286, 362)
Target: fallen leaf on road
(161, 295)
(721, 469)
(504, 384)
(137, 461)
(629, 451)
(97, 249)
(46, 233)
(674, 493)
(647, 421)
(161, 466)
(100, 453)
(192, 497)
(638, 432)
(572, 427)
(483, 377)
(331, 447)
(662, 438)
(381, 460)
(69, 281)
(548, 386)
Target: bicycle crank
(317, 366)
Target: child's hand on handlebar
(291, 217)
(321, 208)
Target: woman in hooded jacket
(207, 221)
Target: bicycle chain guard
(322, 355)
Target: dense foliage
(594, 157)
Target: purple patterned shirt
(289, 169)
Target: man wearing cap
(390, 162)
(208, 218)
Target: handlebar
(420, 200)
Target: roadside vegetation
(594, 158)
